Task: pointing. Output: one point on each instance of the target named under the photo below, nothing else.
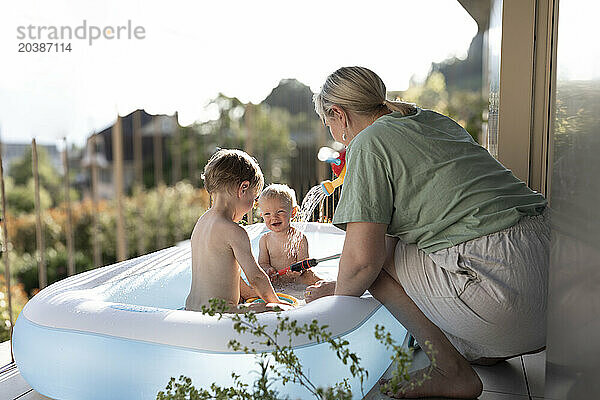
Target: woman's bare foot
(461, 382)
(318, 290)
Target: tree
(464, 106)
(269, 134)
(271, 141)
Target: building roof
(152, 125)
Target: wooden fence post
(176, 161)
(161, 226)
(139, 179)
(249, 147)
(117, 141)
(158, 161)
(158, 180)
(42, 273)
(5, 248)
(69, 222)
(193, 160)
(95, 209)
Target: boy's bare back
(215, 271)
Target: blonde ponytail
(400, 106)
(359, 90)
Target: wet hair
(227, 169)
(279, 192)
(356, 89)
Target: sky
(192, 50)
(576, 27)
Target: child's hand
(293, 274)
(271, 272)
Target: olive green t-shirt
(426, 178)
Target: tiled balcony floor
(520, 378)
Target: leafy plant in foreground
(287, 367)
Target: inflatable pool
(119, 332)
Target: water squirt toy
(336, 168)
(306, 264)
(329, 186)
(340, 170)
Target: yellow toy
(282, 296)
(329, 186)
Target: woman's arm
(362, 257)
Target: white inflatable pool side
(119, 332)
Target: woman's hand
(318, 290)
(272, 272)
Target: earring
(344, 137)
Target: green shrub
(170, 212)
(287, 366)
(26, 271)
(21, 198)
(18, 300)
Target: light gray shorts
(488, 295)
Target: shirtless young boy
(284, 245)
(219, 245)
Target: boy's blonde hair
(227, 169)
(279, 192)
